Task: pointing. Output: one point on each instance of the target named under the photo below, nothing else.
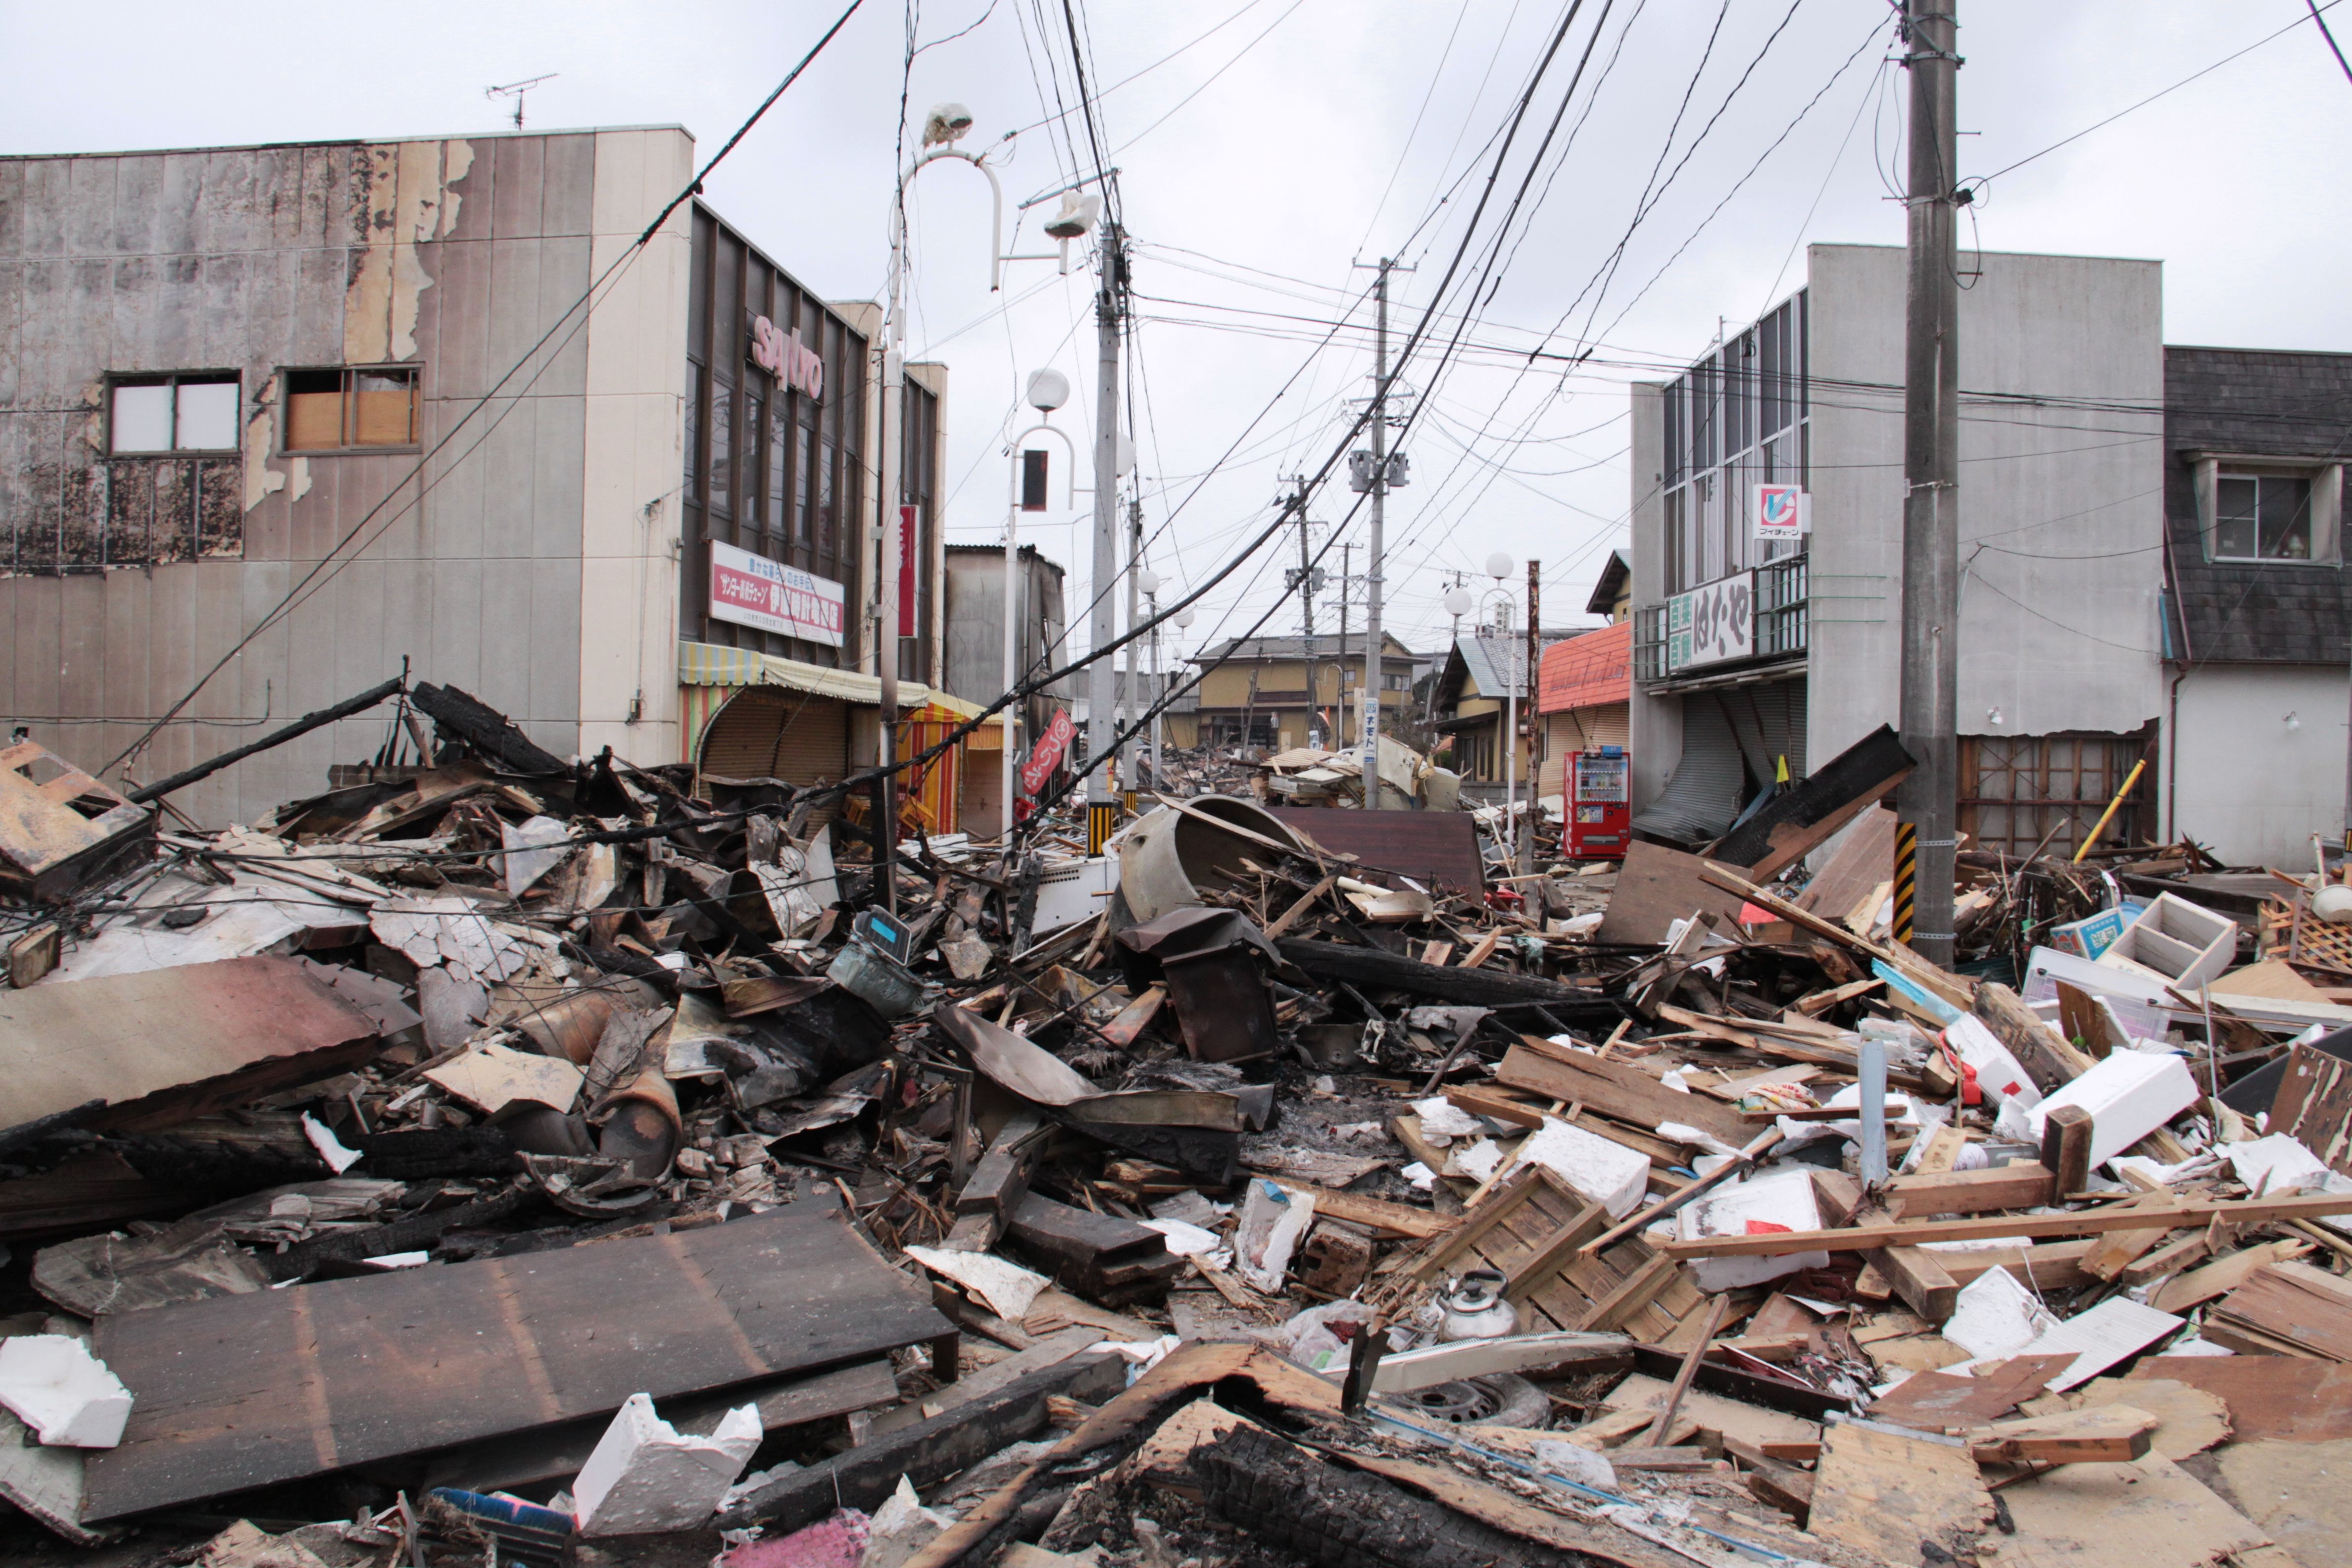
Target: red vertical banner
(907, 575)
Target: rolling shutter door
(1702, 795)
(766, 732)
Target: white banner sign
(1712, 625)
(1783, 511)
(753, 591)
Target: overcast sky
(1266, 147)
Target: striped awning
(710, 664)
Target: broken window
(350, 408)
(192, 412)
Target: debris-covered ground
(510, 1160)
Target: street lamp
(943, 127)
(1048, 390)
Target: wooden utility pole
(1926, 807)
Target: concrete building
(1750, 653)
(305, 412)
(1283, 691)
(974, 667)
(2151, 551)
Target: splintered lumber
(1754, 1150)
(1809, 813)
(2108, 1434)
(1697, 1353)
(2021, 1185)
(1378, 1214)
(2222, 1275)
(2047, 1057)
(1363, 966)
(1616, 1089)
(2087, 1222)
(1900, 1499)
(2286, 1309)
(246, 1391)
(2066, 1147)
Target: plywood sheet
(1438, 849)
(2189, 1420)
(2294, 1494)
(1734, 1418)
(1655, 887)
(1910, 1501)
(168, 1044)
(2148, 1513)
(1863, 859)
(244, 1391)
(2270, 1397)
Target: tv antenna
(515, 90)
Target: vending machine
(1599, 811)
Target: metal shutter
(769, 733)
(1702, 795)
(1768, 721)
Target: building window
(2269, 509)
(2025, 795)
(195, 412)
(350, 409)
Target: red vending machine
(1600, 810)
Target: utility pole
(1128, 698)
(1535, 717)
(1340, 731)
(1926, 807)
(1369, 725)
(1102, 806)
(1307, 604)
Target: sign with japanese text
(1712, 624)
(908, 560)
(1047, 754)
(1783, 511)
(753, 591)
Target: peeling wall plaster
(400, 198)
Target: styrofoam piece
(2184, 945)
(2276, 1166)
(1597, 1170)
(1184, 1238)
(66, 1396)
(1478, 1161)
(1995, 1316)
(1274, 1219)
(1583, 1465)
(2116, 1328)
(1776, 1200)
(2129, 1095)
(1442, 1120)
(1998, 1072)
(645, 1475)
(331, 1148)
(1007, 1288)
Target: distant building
(1612, 596)
(1483, 671)
(1583, 691)
(1286, 691)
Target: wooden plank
(2314, 1105)
(246, 1391)
(168, 1044)
(1439, 849)
(1618, 1089)
(2066, 1134)
(1863, 858)
(1656, 887)
(1392, 1219)
(2087, 1222)
(2271, 1398)
(2290, 1303)
(2104, 1433)
(2222, 1275)
(2018, 1185)
(1945, 1401)
(1634, 1292)
(1920, 1278)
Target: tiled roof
(1588, 671)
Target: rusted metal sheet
(59, 827)
(1211, 960)
(1438, 849)
(246, 1390)
(161, 1047)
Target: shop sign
(1047, 754)
(753, 591)
(786, 357)
(1713, 624)
(1783, 511)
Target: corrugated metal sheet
(1702, 795)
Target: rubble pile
(509, 1159)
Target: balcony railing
(1782, 607)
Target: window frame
(285, 420)
(2326, 481)
(173, 379)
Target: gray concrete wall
(1654, 724)
(2060, 508)
(2243, 782)
(455, 256)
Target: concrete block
(648, 1477)
(66, 1396)
(1597, 1169)
(1776, 1200)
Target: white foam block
(2129, 1095)
(1995, 1316)
(647, 1476)
(1273, 1220)
(66, 1396)
(1998, 1071)
(1777, 1200)
(1597, 1169)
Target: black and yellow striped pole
(1102, 821)
(1906, 880)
